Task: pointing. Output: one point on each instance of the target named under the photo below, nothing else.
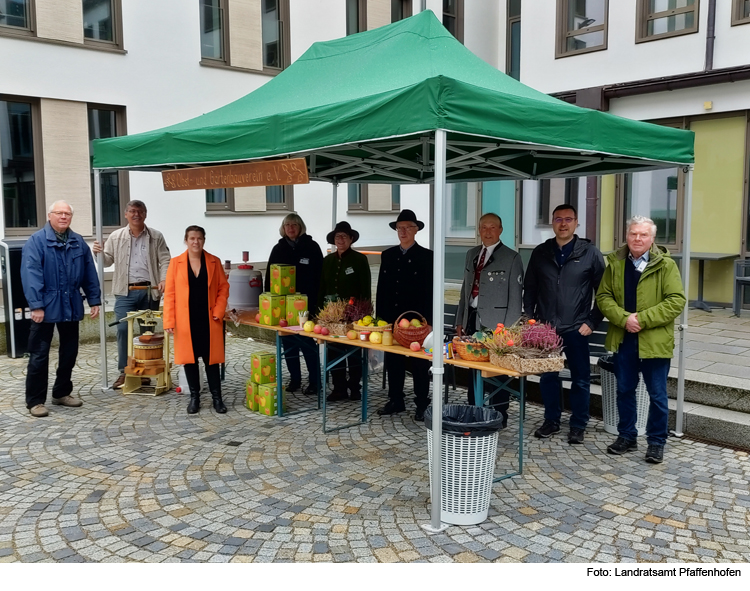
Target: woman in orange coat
(195, 299)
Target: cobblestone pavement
(133, 478)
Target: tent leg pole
(438, 303)
(682, 328)
(335, 204)
(100, 271)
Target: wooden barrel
(145, 351)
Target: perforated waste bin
(469, 441)
(610, 415)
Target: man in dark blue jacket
(56, 264)
(561, 279)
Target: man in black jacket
(561, 279)
(404, 284)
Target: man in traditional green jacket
(641, 294)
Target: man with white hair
(641, 295)
(56, 264)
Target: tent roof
(364, 108)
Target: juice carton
(272, 308)
(283, 279)
(263, 367)
(251, 393)
(294, 305)
(267, 399)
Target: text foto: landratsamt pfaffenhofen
(663, 572)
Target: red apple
(283, 323)
(317, 329)
(291, 271)
(324, 331)
(415, 346)
(300, 305)
(404, 323)
(352, 335)
(257, 318)
(275, 273)
(256, 362)
(292, 290)
(266, 304)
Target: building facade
(77, 70)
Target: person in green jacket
(346, 274)
(641, 294)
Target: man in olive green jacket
(641, 294)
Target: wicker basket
(470, 351)
(406, 336)
(371, 328)
(336, 328)
(528, 366)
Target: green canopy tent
(406, 103)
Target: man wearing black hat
(346, 274)
(405, 284)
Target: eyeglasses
(341, 236)
(405, 228)
(62, 213)
(566, 220)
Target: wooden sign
(253, 174)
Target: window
(581, 26)
(540, 198)
(453, 18)
(513, 45)
(400, 9)
(665, 18)
(740, 12)
(104, 122)
(22, 203)
(101, 23)
(657, 195)
(213, 14)
(275, 32)
(276, 198)
(16, 16)
(356, 197)
(356, 16)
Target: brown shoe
(119, 382)
(39, 411)
(67, 401)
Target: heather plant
(528, 339)
(357, 309)
(540, 336)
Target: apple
(275, 273)
(256, 362)
(276, 288)
(317, 329)
(291, 271)
(404, 323)
(266, 304)
(416, 323)
(257, 317)
(376, 337)
(286, 281)
(309, 326)
(292, 290)
(276, 312)
(300, 305)
(352, 335)
(266, 370)
(415, 346)
(256, 377)
(324, 331)
(266, 319)
(283, 323)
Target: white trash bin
(610, 415)
(469, 441)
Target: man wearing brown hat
(346, 274)
(405, 284)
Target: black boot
(214, 385)
(195, 403)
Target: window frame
(563, 33)
(745, 241)
(229, 206)
(117, 32)
(36, 137)
(223, 207)
(364, 193)
(10, 31)
(459, 16)
(286, 45)
(737, 18)
(511, 20)
(643, 17)
(406, 9)
(479, 196)
(123, 178)
(224, 59)
(361, 16)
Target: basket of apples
(408, 332)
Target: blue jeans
(577, 353)
(138, 299)
(627, 367)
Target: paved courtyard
(133, 478)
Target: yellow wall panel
(61, 20)
(607, 214)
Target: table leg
(279, 385)
(365, 380)
(699, 304)
(478, 387)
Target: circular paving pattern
(134, 478)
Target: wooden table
(498, 377)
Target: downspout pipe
(710, 35)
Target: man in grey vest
(491, 293)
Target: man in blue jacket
(56, 265)
(561, 279)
